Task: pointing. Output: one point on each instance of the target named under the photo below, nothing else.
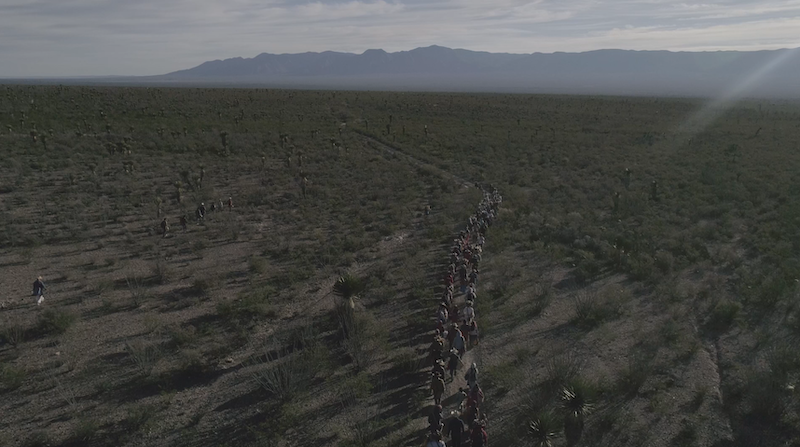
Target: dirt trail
(373, 142)
(450, 401)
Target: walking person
(473, 334)
(437, 386)
(38, 290)
(455, 430)
(472, 376)
(164, 228)
(436, 420)
(184, 222)
(459, 344)
(452, 363)
(478, 436)
(200, 213)
(435, 440)
(304, 185)
(468, 313)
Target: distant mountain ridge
(436, 67)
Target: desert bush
(137, 290)
(138, 416)
(503, 377)
(204, 285)
(12, 377)
(103, 286)
(642, 267)
(84, 429)
(161, 272)
(251, 305)
(37, 439)
(144, 356)
(283, 377)
(635, 373)
(13, 334)
(258, 265)
(181, 336)
(407, 360)
(364, 343)
(65, 392)
(365, 427)
(562, 368)
(766, 397)
(191, 362)
(353, 389)
(55, 321)
(723, 315)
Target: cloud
(99, 37)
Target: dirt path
(375, 143)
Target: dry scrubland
(671, 311)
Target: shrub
(635, 373)
(354, 388)
(407, 360)
(203, 286)
(144, 356)
(503, 377)
(723, 315)
(562, 368)
(12, 377)
(137, 290)
(258, 265)
(85, 429)
(13, 335)
(37, 439)
(161, 272)
(183, 336)
(55, 321)
(191, 362)
(140, 415)
(283, 377)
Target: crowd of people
(456, 332)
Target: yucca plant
(544, 430)
(346, 288)
(576, 398)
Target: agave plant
(544, 430)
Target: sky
(54, 38)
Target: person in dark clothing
(184, 222)
(452, 363)
(200, 213)
(435, 419)
(164, 227)
(455, 431)
(437, 387)
(38, 290)
(478, 436)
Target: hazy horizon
(76, 38)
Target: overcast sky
(142, 37)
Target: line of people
(199, 214)
(457, 331)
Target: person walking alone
(38, 290)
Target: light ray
(703, 118)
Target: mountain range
(754, 73)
